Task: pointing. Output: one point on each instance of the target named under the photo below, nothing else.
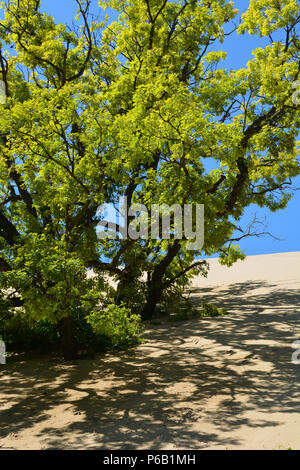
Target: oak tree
(137, 107)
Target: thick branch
(8, 230)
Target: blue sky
(284, 224)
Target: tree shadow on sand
(224, 372)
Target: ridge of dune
(269, 267)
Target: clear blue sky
(284, 224)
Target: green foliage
(117, 324)
(231, 255)
(115, 328)
(51, 279)
(211, 310)
(20, 332)
(138, 107)
(186, 311)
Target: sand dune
(219, 383)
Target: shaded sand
(219, 383)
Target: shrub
(186, 311)
(210, 310)
(117, 324)
(21, 333)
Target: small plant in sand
(211, 310)
(186, 311)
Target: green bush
(20, 333)
(84, 335)
(112, 329)
(117, 324)
(186, 311)
(210, 310)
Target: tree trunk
(153, 297)
(127, 278)
(67, 339)
(155, 282)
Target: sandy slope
(221, 383)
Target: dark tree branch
(8, 230)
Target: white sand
(219, 383)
